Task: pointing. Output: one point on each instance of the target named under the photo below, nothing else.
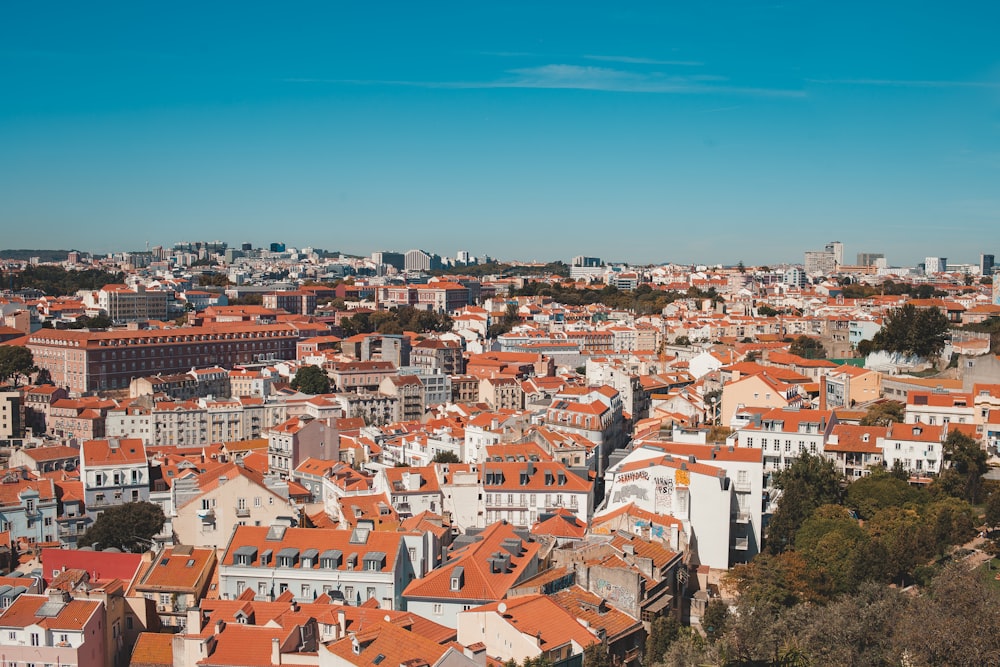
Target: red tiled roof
(480, 583)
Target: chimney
(275, 651)
(194, 620)
(220, 625)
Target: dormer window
(457, 579)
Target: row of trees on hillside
(395, 321)
(644, 300)
(57, 281)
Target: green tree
(715, 619)
(311, 380)
(883, 413)
(771, 582)
(966, 461)
(129, 527)
(809, 482)
(446, 457)
(878, 491)
(596, 655)
(993, 510)
(913, 331)
(904, 536)
(832, 542)
(662, 633)
(765, 310)
(808, 348)
(15, 362)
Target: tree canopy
(15, 363)
(395, 321)
(311, 380)
(129, 527)
(911, 331)
(809, 482)
(884, 412)
(808, 348)
(57, 281)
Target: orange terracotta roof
(480, 581)
(153, 648)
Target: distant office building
(246, 247)
(393, 259)
(277, 247)
(580, 260)
(868, 258)
(836, 248)
(986, 265)
(820, 262)
(421, 260)
(935, 265)
(463, 257)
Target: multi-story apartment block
(295, 302)
(297, 439)
(113, 472)
(11, 425)
(354, 565)
(53, 629)
(848, 386)
(374, 408)
(501, 393)
(434, 353)
(411, 490)
(85, 361)
(783, 434)
(519, 492)
(176, 580)
(937, 409)
(28, 509)
(359, 375)
(37, 402)
(210, 505)
(123, 304)
(855, 449)
(410, 392)
(916, 446)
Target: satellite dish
(387, 618)
(502, 607)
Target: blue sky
(663, 131)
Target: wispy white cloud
(576, 77)
(908, 83)
(643, 61)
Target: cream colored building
(209, 507)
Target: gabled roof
(27, 610)
(561, 523)
(385, 644)
(539, 617)
(595, 611)
(480, 580)
(177, 568)
(111, 452)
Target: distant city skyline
(687, 133)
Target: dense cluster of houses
(455, 498)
